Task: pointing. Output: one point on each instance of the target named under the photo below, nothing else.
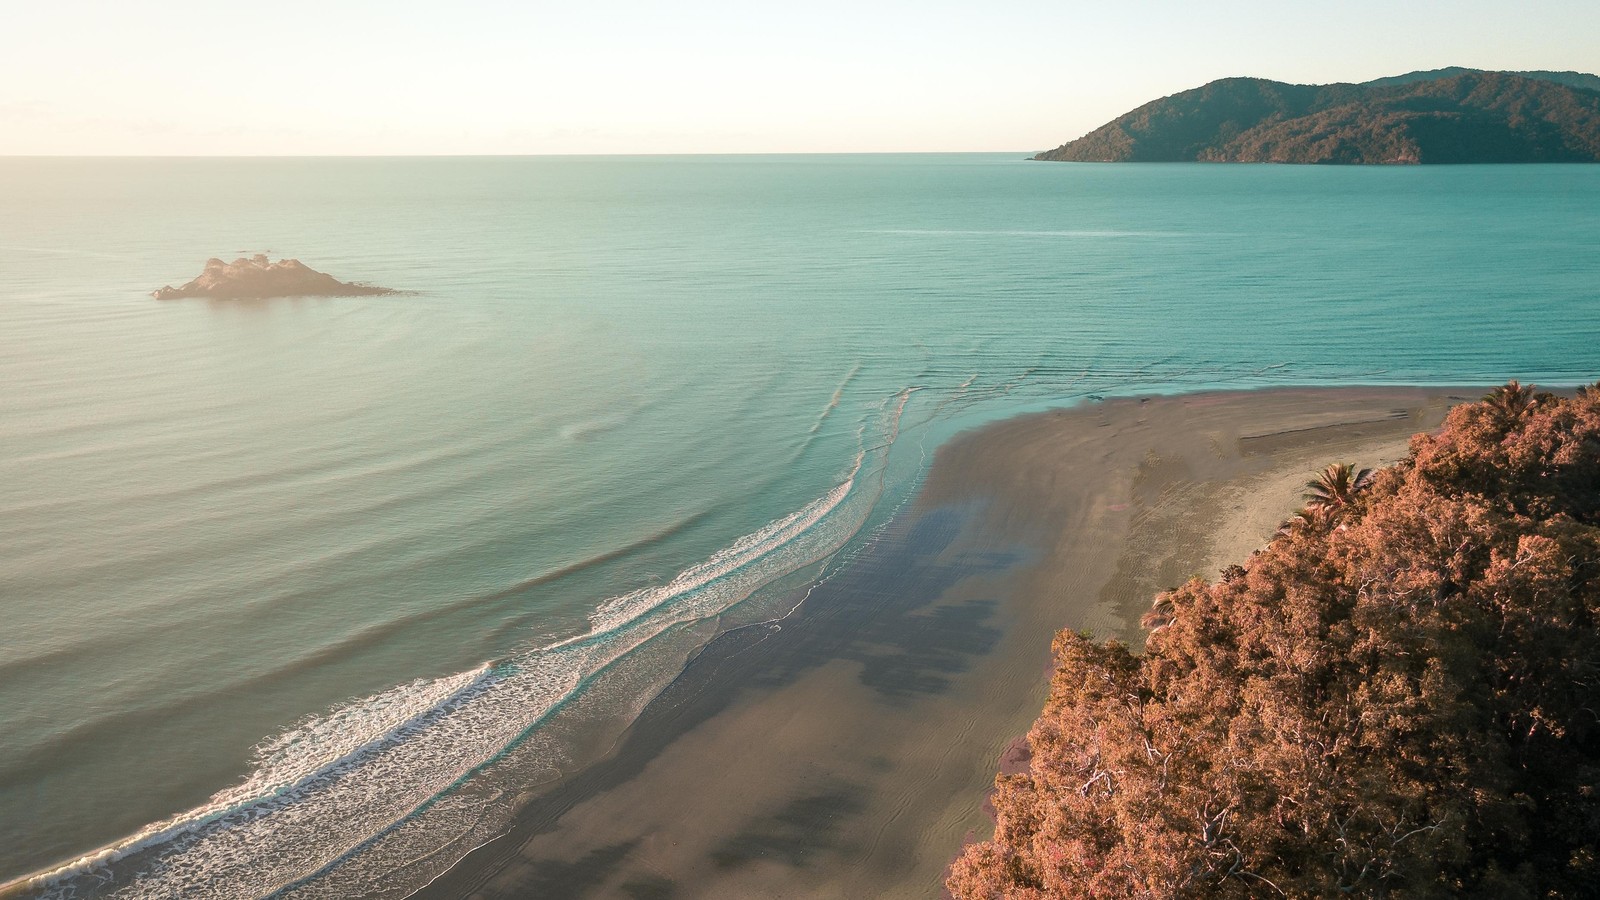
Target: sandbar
(849, 752)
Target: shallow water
(276, 577)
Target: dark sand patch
(848, 751)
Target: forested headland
(1399, 696)
(1444, 116)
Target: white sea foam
(618, 611)
(318, 746)
(322, 789)
(838, 394)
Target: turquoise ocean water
(294, 595)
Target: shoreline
(847, 751)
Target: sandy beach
(847, 752)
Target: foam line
(323, 789)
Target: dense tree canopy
(1397, 701)
(1469, 117)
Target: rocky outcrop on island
(1443, 116)
(258, 278)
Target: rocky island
(1450, 115)
(258, 278)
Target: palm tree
(1332, 491)
(1160, 614)
(1510, 401)
(1299, 519)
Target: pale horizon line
(511, 155)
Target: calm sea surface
(294, 594)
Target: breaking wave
(326, 787)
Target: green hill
(1444, 116)
(1571, 79)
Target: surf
(322, 790)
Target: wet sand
(847, 752)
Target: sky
(359, 77)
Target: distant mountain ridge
(1452, 115)
(1570, 79)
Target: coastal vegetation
(1444, 116)
(1399, 696)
